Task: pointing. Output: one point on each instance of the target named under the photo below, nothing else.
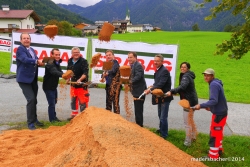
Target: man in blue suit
(27, 74)
(162, 80)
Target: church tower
(127, 15)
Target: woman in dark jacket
(187, 91)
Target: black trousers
(30, 93)
(138, 105)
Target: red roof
(30, 31)
(19, 14)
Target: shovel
(48, 59)
(89, 83)
(106, 67)
(185, 104)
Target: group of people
(27, 77)
(27, 74)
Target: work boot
(72, 116)
(37, 123)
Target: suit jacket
(162, 81)
(138, 83)
(27, 70)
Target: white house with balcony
(17, 20)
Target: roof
(81, 24)
(90, 27)
(19, 14)
(137, 25)
(27, 31)
(120, 21)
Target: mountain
(46, 10)
(175, 15)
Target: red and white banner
(145, 55)
(43, 45)
(5, 44)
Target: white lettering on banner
(5, 44)
(44, 45)
(146, 61)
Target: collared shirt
(31, 53)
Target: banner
(43, 45)
(145, 55)
(5, 44)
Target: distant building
(135, 28)
(147, 27)
(100, 23)
(17, 20)
(121, 25)
(91, 29)
(139, 28)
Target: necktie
(31, 53)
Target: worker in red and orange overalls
(78, 92)
(217, 104)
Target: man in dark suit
(27, 74)
(137, 86)
(162, 81)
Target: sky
(83, 3)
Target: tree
(65, 28)
(28, 7)
(195, 27)
(239, 43)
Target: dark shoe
(39, 123)
(72, 116)
(31, 126)
(220, 152)
(57, 120)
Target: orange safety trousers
(216, 135)
(79, 97)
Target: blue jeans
(51, 96)
(163, 116)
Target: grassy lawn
(5, 62)
(237, 148)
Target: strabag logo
(4, 42)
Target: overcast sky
(83, 3)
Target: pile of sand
(96, 137)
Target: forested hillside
(174, 15)
(46, 9)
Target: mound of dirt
(96, 137)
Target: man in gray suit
(137, 86)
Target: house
(17, 20)
(91, 29)
(121, 25)
(40, 27)
(135, 28)
(100, 23)
(147, 27)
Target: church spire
(127, 15)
